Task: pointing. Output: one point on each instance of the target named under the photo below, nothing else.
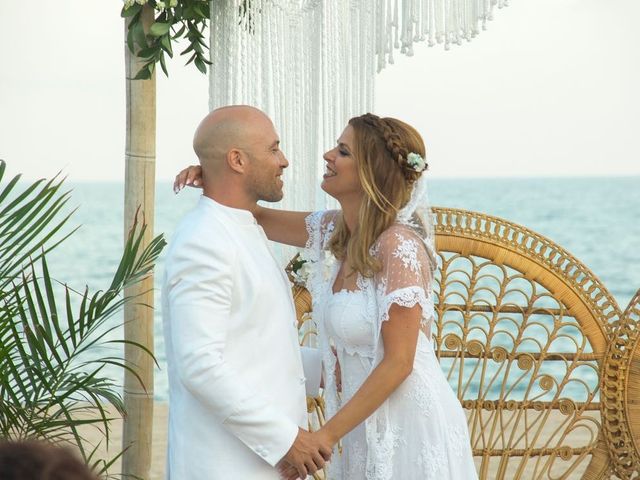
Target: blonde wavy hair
(381, 149)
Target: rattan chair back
(542, 359)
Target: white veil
(417, 214)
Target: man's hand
(306, 456)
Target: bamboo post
(140, 154)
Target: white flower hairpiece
(416, 162)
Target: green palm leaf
(53, 369)
(30, 222)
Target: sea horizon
(433, 177)
(596, 221)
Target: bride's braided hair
(393, 144)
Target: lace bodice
(347, 325)
(407, 266)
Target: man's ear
(237, 160)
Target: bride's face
(340, 179)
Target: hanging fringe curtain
(311, 64)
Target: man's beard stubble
(266, 191)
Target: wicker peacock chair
(540, 355)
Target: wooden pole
(140, 155)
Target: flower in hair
(416, 162)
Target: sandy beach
(160, 445)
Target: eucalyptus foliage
(53, 339)
(174, 19)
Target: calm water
(596, 219)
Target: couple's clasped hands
(307, 455)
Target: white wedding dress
(420, 431)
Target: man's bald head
(239, 151)
(224, 129)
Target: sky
(549, 89)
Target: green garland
(174, 19)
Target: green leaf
(130, 39)
(159, 29)
(148, 52)
(139, 35)
(191, 59)
(144, 73)
(23, 196)
(28, 224)
(131, 11)
(7, 190)
(55, 320)
(140, 346)
(71, 324)
(201, 65)
(187, 50)
(163, 64)
(180, 31)
(199, 11)
(165, 43)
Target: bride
(395, 413)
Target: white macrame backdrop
(311, 64)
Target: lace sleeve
(319, 228)
(407, 273)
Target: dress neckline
(334, 277)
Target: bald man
(237, 404)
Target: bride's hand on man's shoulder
(189, 177)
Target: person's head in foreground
(32, 460)
(375, 165)
(239, 152)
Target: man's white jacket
(236, 385)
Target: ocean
(596, 219)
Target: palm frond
(30, 222)
(54, 377)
